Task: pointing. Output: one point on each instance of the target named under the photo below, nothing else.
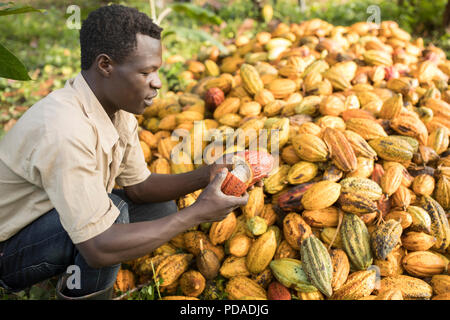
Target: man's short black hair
(112, 30)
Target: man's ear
(104, 64)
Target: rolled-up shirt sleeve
(134, 169)
(66, 165)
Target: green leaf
(11, 67)
(18, 10)
(196, 35)
(197, 13)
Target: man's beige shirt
(65, 153)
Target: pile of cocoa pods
(357, 206)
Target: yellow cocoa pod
(181, 162)
(269, 214)
(341, 151)
(310, 128)
(281, 88)
(172, 267)
(331, 106)
(438, 140)
(377, 58)
(192, 283)
(149, 138)
(251, 80)
(392, 294)
(417, 241)
(241, 286)
(364, 168)
(273, 108)
(261, 252)
(359, 284)
(392, 179)
(328, 234)
(165, 146)
(234, 266)
(301, 172)
(440, 284)
(284, 250)
(188, 116)
(276, 181)
(337, 80)
(442, 192)
(250, 109)
(289, 155)
(359, 145)
(423, 184)
(295, 229)
(221, 231)
(229, 105)
(310, 147)
(146, 151)
(256, 226)
(402, 198)
(366, 128)
(321, 195)
(410, 126)
(331, 122)
(315, 295)
(322, 218)
(341, 268)
(392, 107)
(411, 287)
(423, 264)
(403, 217)
(239, 245)
(255, 204)
(165, 249)
(161, 166)
(232, 120)
(264, 96)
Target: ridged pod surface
(439, 223)
(356, 241)
(291, 274)
(359, 284)
(392, 149)
(341, 267)
(411, 288)
(261, 252)
(239, 287)
(363, 186)
(341, 151)
(321, 195)
(317, 264)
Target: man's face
(135, 81)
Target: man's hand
(225, 162)
(213, 205)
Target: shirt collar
(105, 128)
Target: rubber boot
(105, 294)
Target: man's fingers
(242, 201)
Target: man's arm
(164, 187)
(122, 242)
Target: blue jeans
(43, 249)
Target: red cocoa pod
(276, 291)
(213, 98)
